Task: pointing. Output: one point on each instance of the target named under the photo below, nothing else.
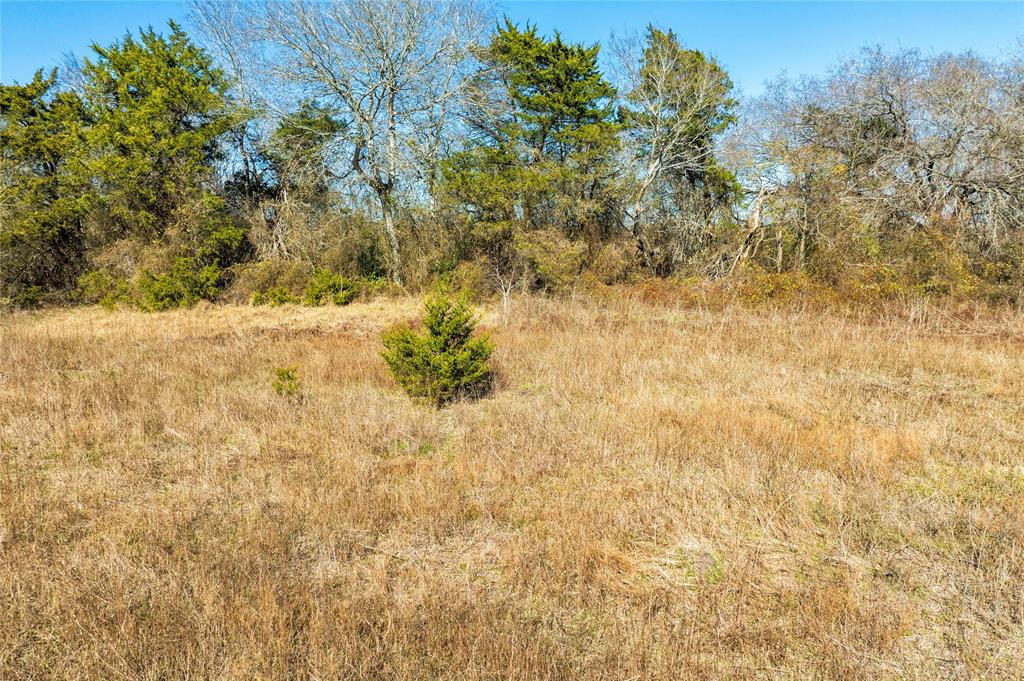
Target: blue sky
(755, 41)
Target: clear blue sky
(754, 40)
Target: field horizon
(651, 491)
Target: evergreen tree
(44, 194)
(159, 106)
(560, 103)
(544, 137)
(445, 361)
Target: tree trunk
(803, 248)
(642, 246)
(395, 261)
(278, 249)
(778, 248)
(638, 234)
(755, 231)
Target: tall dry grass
(650, 493)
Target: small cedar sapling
(444, 362)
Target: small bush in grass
(252, 280)
(286, 381)
(326, 288)
(444, 362)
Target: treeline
(314, 151)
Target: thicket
(285, 161)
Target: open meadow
(650, 492)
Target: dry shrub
(671, 292)
(472, 279)
(750, 287)
(554, 260)
(288, 276)
(614, 263)
(757, 286)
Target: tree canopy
(423, 141)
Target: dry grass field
(650, 493)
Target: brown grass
(650, 493)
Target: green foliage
(185, 285)
(687, 93)
(327, 288)
(43, 196)
(286, 381)
(24, 298)
(1002, 273)
(290, 161)
(680, 103)
(370, 259)
(216, 239)
(297, 147)
(109, 195)
(469, 279)
(129, 157)
(546, 162)
(444, 362)
(936, 266)
(190, 278)
(561, 101)
(555, 261)
(159, 108)
(368, 287)
(274, 297)
(103, 287)
(278, 285)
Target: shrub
(223, 244)
(24, 298)
(368, 288)
(183, 286)
(555, 260)
(936, 266)
(104, 287)
(445, 362)
(615, 263)
(758, 286)
(278, 295)
(253, 280)
(471, 279)
(352, 244)
(286, 381)
(326, 287)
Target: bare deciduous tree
(885, 145)
(676, 102)
(390, 67)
